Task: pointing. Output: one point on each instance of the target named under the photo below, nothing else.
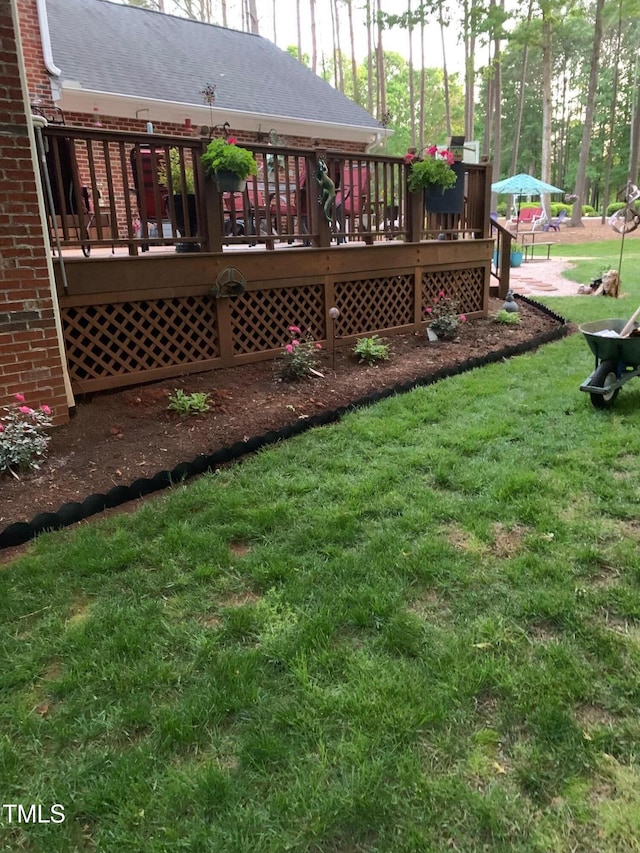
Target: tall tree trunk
(497, 108)
(370, 100)
(523, 82)
(469, 68)
(423, 81)
(547, 60)
(561, 156)
(382, 90)
(412, 95)
(354, 61)
(445, 74)
(612, 120)
(314, 37)
(576, 216)
(299, 25)
(252, 14)
(340, 84)
(634, 154)
(489, 105)
(334, 49)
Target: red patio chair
(352, 196)
(151, 194)
(287, 203)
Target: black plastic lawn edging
(70, 513)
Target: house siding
(30, 359)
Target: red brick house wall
(30, 358)
(30, 355)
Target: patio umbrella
(523, 185)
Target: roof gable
(126, 50)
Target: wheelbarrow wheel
(605, 376)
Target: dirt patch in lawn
(116, 438)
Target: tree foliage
(503, 76)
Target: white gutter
(43, 22)
(74, 98)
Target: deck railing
(118, 190)
(501, 263)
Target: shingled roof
(142, 56)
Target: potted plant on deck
(183, 192)
(229, 164)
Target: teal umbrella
(523, 185)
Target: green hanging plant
(431, 169)
(223, 155)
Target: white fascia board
(76, 99)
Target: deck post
(415, 213)
(318, 221)
(214, 224)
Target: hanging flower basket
(229, 164)
(439, 177)
(229, 182)
(431, 169)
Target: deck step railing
(501, 263)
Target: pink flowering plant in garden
(299, 357)
(444, 317)
(23, 436)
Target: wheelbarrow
(617, 358)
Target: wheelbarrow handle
(627, 329)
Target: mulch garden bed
(116, 438)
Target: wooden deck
(138, 310)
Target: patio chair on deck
(237, 214)
(352, 197)
(288, 206)
(151, 194)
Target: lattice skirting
(118, 344)
(376, 303)
(137, 337)
(465, 286)
(260, 318)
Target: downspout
(377, 142)
(35, 125)
(43, 214)
(39, 122)
(45, 37)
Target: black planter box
(448, 201)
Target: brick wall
(30, 360)
(244, 137)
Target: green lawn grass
(415, 630)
